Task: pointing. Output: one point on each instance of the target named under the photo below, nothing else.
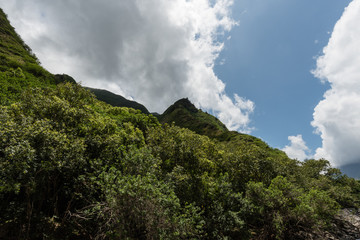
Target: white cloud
(337, 116)
(157, 51)
(297, 148)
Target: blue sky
(269, 59)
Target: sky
(286, 71)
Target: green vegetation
(14, 52)
(184, 114)
(74, 167)
(19, 67)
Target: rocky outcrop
(346, 226)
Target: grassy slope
(19, 67)
(14, 53)
(184, 114)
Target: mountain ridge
(117, 100)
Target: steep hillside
(19, 67)
(74, 167)
(14, 53)
(20, 70)
(184, 114)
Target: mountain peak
(184, 114)
(182, 103)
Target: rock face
(346, 226)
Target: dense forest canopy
(74, 167)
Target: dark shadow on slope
(117, 100)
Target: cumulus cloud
(155, 51)
(297, 148)
(336, 117)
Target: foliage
(184, 114)
(14, 53)
(19, 67)
(73, 167)
(60, 149)
(283, 207)
(14, 81)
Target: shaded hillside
(116, 100)
(184, 114)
